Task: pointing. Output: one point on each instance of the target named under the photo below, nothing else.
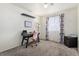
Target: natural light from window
(54, 23)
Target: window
(54, 23)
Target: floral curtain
(62, 28)
(47, 19)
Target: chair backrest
(38, 35)
(38, 39)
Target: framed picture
(28, 24)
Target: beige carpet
(44, 48)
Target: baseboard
(9, 49)
(49, 40)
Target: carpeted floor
(44, 48)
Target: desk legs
(27, 42)
(22, 41)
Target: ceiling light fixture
(45, 5)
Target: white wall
(78, 25)
(42, 27)
(11, 25)
(70, 22)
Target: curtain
(62, 28)
(54, 28)
(47, 19)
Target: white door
(54, 28)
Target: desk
(26, 37)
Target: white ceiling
(38, 8)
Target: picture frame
(28, 24)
